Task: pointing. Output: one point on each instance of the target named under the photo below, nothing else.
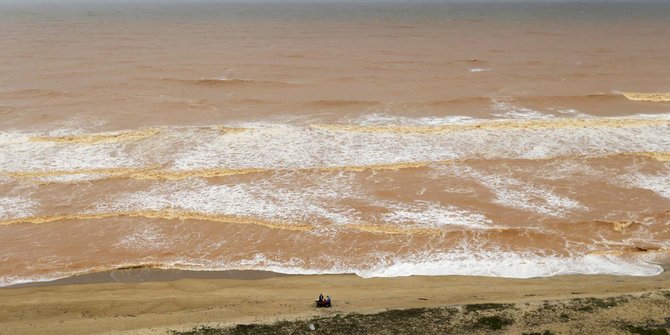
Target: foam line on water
(526, 124)
(658, 183)
(274, 198)
(186, 152)
(522, 264)
(433, 215)
(504, 109)
(164, 174)
(295, 147)
(148, 173)
(658, 156)
(148, 237)
(49, 156)
(17, 206)
(651, 97)
(9, 138)
(510, 265)
(163, 214)
(377, 119)
(131, 135)
(515, 193)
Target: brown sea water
(382, 139)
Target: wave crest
(164, 174)
(561, 123)
(650, 97)
(162, 214)
(226, 82)
(131, 135)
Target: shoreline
(147, 275)
(150, 273)
(179, 303)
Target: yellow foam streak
(362, 168)
(499, 124)
(133, 135)
(136, 173)
(231, 130)
(659, 156)
(189, 215)
(394, 230)
(652, 97)
(619, 226)
(55, 173)
(163, 214)
(202, 173)
(628, 252)
(162, 174)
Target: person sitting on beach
(328, 301)
(321, 302)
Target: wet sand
(147, 274)
(156, 307)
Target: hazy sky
(315, 1)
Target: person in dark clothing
(323, 302)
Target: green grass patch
(483, 307)
(395, 314)
(591, 304)
(647, 331)
(493, 322)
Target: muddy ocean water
(514, 139)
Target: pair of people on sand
(323, 302)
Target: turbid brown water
(513, 140)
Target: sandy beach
(381, 139)
(158, 307)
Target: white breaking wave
(430, 214)
(71, 127)
(17, 207)
(48, 156)
(563, 169)
(284, 146)
(659, 183)
(291, 147)
(271, 199)
(10, 138)
(515, 193)
(462, 261)
(573, 113)
(377, 119)
(144, 237)
(504, 109)
(71, 178)
(510, 265)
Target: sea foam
(181, 150)
(510, 265)
(17, 207)
(431, 214)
